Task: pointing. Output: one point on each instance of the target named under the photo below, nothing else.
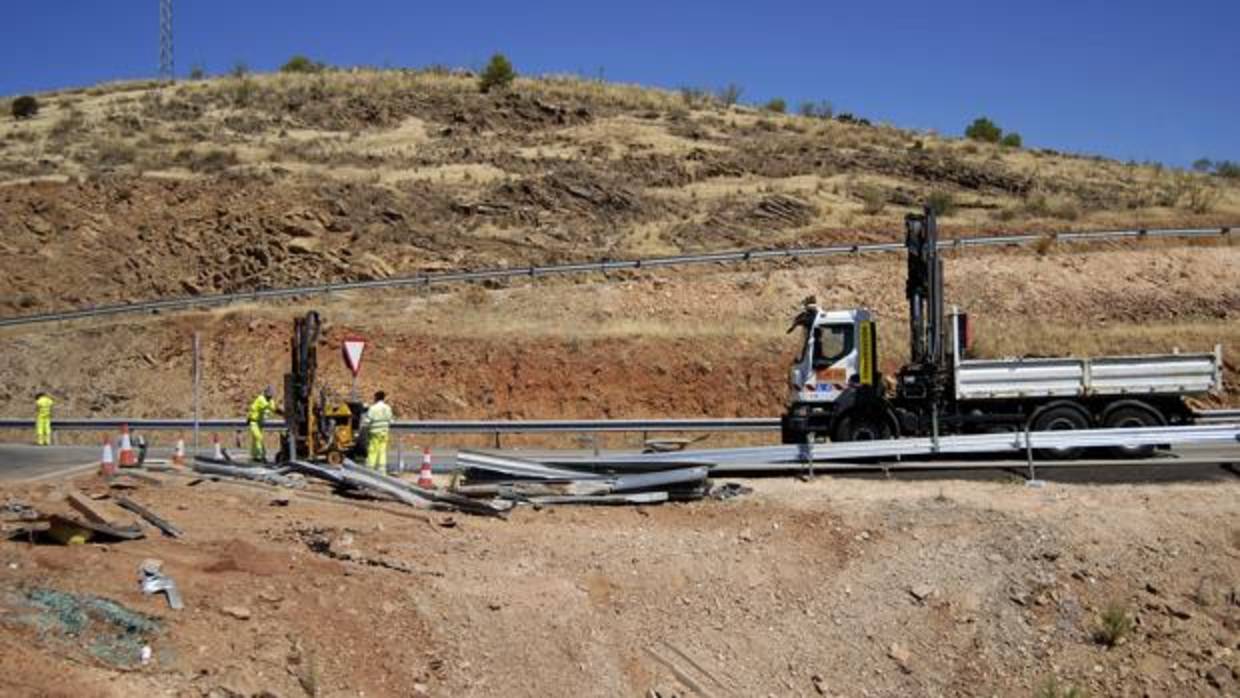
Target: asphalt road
(23, 462)
(1191, 463)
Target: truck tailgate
(1159, 374)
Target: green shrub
(302, 64)
(1114, 625)
(729, 94)
(239, 70)
(817, 110)
(694, 96)
(1051, 689)
(1039, 205)
(197, 72)
(70, 123)
(873, 199)
(1011, 140)
(1201, 197)
(25, 107)
(942, 203)
(777, 105)
(111, 153)
(850, 118)
(498, 74)
(983, 129)
(1227, 169)
(243, 92)
(210, 160)
(1202, 165)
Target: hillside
(699, 344)
(132, 191)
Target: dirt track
(880, 588)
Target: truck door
(828, 359)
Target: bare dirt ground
(838, 586)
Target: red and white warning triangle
(353, 348)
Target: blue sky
(1133, 80)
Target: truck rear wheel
(1060, 418)
(1130, 417)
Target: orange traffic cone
(107, 464)
(424, 475)
(178, 456)
(218, 453)
(128, 458)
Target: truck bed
(1156, 374)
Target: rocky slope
(135, 191)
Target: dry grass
(1012, 337)
(572, 87)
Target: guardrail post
(805, 451)
(809, 449)
(497, 442)
(1033, 480)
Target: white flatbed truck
(837, 392)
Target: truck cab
(836, 360)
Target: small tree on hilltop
(1011, 140)
(302, 64)
(983, 129)
(777, 105)
(729, 94)
(498, 73)
(25, 107)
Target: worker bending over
(377, 421)
(43, 419)
(260, 409)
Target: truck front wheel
(862, 427)
(789, 433)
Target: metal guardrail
(1217, 434)
(1218, 416)
(605, 265)
(740, 424)
(737, 424)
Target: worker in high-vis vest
(260, 409)
(377, 422)
(43, 419)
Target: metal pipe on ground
(267, 475)
(346, 478)
(386, 483)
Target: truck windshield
(831, 343)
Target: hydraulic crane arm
(924, 290)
